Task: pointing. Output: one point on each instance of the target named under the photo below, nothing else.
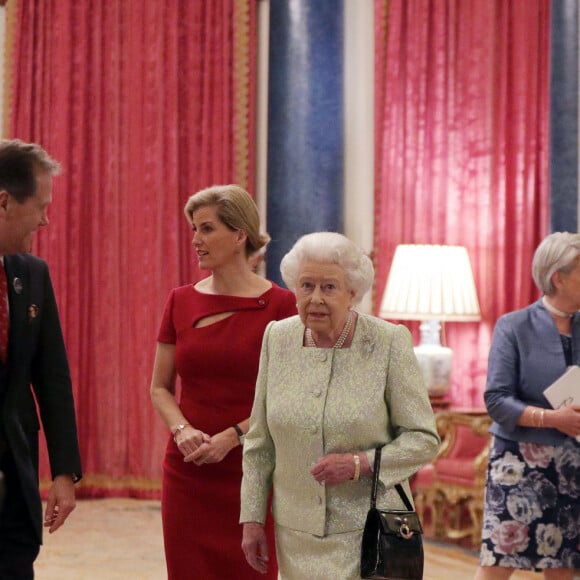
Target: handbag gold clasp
(405, 531)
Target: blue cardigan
(526, 357)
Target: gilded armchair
(453, 486)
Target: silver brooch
(368, 346)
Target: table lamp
(433, 284)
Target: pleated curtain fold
(143, 103)
(462, 141)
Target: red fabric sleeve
(167, 332)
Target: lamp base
(435, 363)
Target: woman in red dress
(210, 335)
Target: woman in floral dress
(532, 499)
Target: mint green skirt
(301, 555)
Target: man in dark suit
(34, 371)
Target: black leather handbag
(392, 543)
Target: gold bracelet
(178, 429)
(356, 458)
(542, 412)
(534, 411)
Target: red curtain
(143, 103)
(462, 145)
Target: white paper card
(565, 390)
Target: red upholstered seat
(424, 477)
(459, 471)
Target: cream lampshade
(433, 284)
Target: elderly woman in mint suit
(333, 385)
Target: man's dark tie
(3, 313)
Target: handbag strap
(375, 485)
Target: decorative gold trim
(383, 11)
(241, 73)
(106, 482)
(11, 16)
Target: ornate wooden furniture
(452, 487)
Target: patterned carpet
(109, 539)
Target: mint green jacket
(310, 402)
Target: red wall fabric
(461, 151)
(143, 103)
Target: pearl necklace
(341, 339)
(553, 310)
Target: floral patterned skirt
(531, 514)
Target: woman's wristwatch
(241, 434)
